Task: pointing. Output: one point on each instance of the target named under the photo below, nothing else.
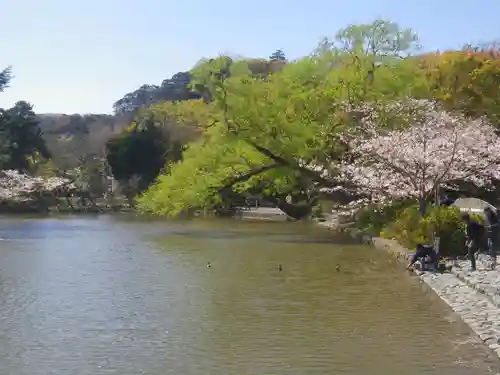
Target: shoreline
(51, 210)
(471, 295)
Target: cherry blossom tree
(437, 148)
(19, 187)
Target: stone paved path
(484, 280)
(474, 295)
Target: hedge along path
(461, 291)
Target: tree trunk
(423, 207)
(297, 211)
(40, 202)
(69, 203)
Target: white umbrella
(474, 205)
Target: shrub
(447, 224)
(409, 229)
(373, 218)
(405, 227)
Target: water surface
(110, 295)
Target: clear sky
(79, 56)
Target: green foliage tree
(5, 77)
(468, 81)
(21, 136)
(39, 166)
(268, 131)
(278, 55)
(73, 137)
(380, 44)
(380, 39)
(90, 176)
(175, 88)
(223, 67)
(409, 228)
(141, 152)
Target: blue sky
(76, 56)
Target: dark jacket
(492, 222)
(447, 201)
(475, 231)
(426, 251)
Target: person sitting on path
(492, 232)
(474, 233)
(426, 255)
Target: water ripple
(105, 296)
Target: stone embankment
(263, 213)
(473, 295)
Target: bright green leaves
(195, 182)
(466, 81)
(264, 119)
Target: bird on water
(280, 268)
(209, 265)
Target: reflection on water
(114, 296)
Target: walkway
(475, 296)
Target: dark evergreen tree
(20, 136)
(278, 55)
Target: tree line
(77, 146)
(278, 129)
(286, 131)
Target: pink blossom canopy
(15, 186)
(436, 147)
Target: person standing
(492, 232)
(474, 233)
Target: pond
(115, 295)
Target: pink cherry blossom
(19, 187)
(436, 147)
